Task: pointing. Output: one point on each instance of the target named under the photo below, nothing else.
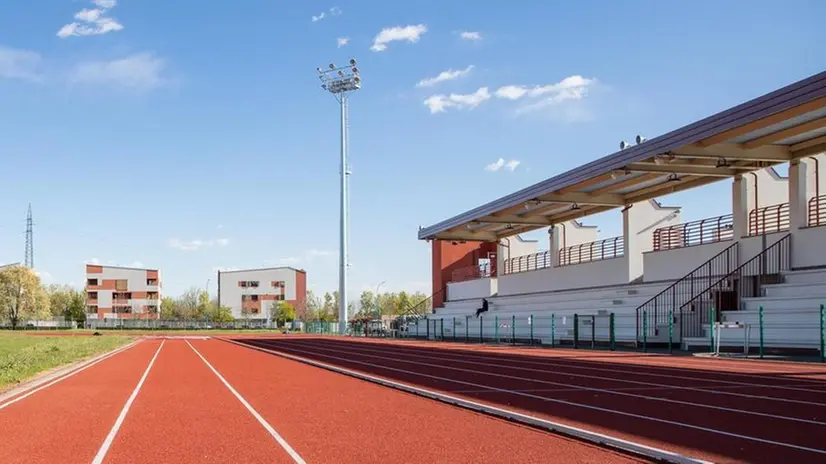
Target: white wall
(135, 282)
(676, 263)
(809, 247)
(639, 223)
(772, 189)
(231, 293)
(598, 273)
(471, 289)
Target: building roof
(787, 124)
(123, 267)
(263, 269)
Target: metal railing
(476, 271)
(656, 312)
(769, 219)
(526, 263)
(817, 211)
(701, 232)
(592, 251)
(727, 293)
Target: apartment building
(122, 293)
(254, 293)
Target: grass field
(23, 356)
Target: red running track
(718, 410)
(199, 400)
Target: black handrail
(671, 299)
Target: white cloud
(92, 21)
(334, 11)
(390, 34)
(440, 103)
(142, 71)
(45, 276)
(197, 244)
(306, 257)
(468, 35)
(342, 41)
(500, 163)
(20, 64)
(443, 76)
(569, 89)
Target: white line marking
(65, 376)
(549, 361)
(289, 449)
(104, 448)
(593, 437)
(569, 403)
(464, 359)
(580, 387)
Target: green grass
(23, 356)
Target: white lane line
(555, 427)
(107, 443)
(289, 449)
(704, 389)
(581, 387)
(559, 401)
(61, 377)
(650, 363)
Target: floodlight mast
(341, 81)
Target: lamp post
(378, 310)
(340, 81)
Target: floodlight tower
(341, 81)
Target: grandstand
(663, 281)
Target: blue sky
(193, 135)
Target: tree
(283, 312)
(367, 304)
(312, 307)
(189, 304)
(169, 309)
(221, 314)
(21, 295)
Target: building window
(152, 295)
(248, 283)
(91, 282)
(277, 284)
(151, 281)
(92, 295)
(92, 309)
(279, 297)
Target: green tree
(220, 314)
(283, 312)
(21, 295)
(367, 304)
(169, 309)
(312, 307)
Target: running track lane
(456, 375)
(329, 417)
(185, 414)
(66, 422)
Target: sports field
(322, 399)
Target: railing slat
(700, 232)
(817, 211)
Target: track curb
(598, 439)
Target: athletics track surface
(208, 400)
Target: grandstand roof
(778, 127)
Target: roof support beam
(668, 188)
(466, 236)
(814, 124)
(809, 143)
(734, 151)
(626, 183)
(513, 219)
(608, 199)
(763, 122)
(687, 171)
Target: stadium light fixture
(340, 81)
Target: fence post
(496, 329)
(513, 330)
(593, 332)
(467, 329)
(553, 329)
(761, 333)
(530, 320)
(442, 329)
(611, 334)
(481, 337)
(644, 331)
(576, 331)
(670, 330)
(822, 334)
(454, 328)
(417, 328)
(711, 328)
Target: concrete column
(633, 255)
(740, 207)
(798, 198)
(555, 238)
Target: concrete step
(783, 303)
(811, 276)
(792, 290)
